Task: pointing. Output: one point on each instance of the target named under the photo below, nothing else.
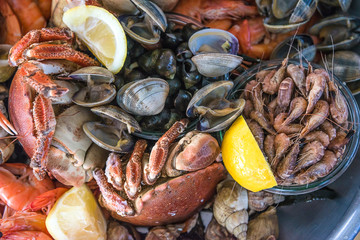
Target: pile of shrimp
(299, 119)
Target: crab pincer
(160, 151)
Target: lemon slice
(101, 32)
(243, 158)
(76, 215)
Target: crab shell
(176, 199)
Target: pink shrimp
(297, 74)
(285, 92)
(287, 129)
(271, 85)
(309, 155)
(281, 143)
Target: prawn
(318, 170)
(318, 116)
(269, 147)
(297, 74)
(18, 193)
(285, 92)
(258, 133)
(271, 86)
(338, 107)
(263, 122)
(281, 143)
(297, 107)
(309, 155)
(315, 85)
(287, 165)
(287, 129)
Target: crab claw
(160, 151)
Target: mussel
(99, 89)
(111, 135)
(143, 97)
(337, 32)
(289, 15)
(215, 111)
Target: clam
(215, 52)
(213, 41)
(99, 90)
(111, 134)
(143, 97)
(145, 27)
(5, 70)
(337, 32)
(295, 47)
(216, 64)
(215, 111)
(344, 64)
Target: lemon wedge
(101, 32)
(243, 158)
(76, 215)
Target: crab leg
(44, 51)
(6, 125)
(160, 151)
(114, 172)
(133, 170)
(44, 121)
(36, 36)
(41, 82)
(110, 198)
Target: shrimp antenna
(332, 59)
(292, 42)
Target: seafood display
(291, 106)
(114, 114)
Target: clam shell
(96, 95)
(5, 70)
(93, 74)
(117, 114)
(281, 26)
(207, 94)
(216, 64)
(144, 97)
(105, 137)
(213, 41)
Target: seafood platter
(177, 119)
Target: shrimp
(282, 143)
(260, 76)
(287, 165)
(264, 123)
(309, 155)
(23, 221)
(18, 193)
(271, 86)
(28, 22)
(215, 10)
(325, 74)
(315, 85)
(10, 31)
(320, 136)
(258, 133)
(253, 92)
(248, 108)
(297, 107)
(46, 200)
(338, 144)
(329, 129)
(26, 235)
(287, 129)
(298, 76)
(285, 92)
(269, 147)
(318, 116)
(318, 170)
(338, 107)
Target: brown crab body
(177, 199)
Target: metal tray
(328, 219)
